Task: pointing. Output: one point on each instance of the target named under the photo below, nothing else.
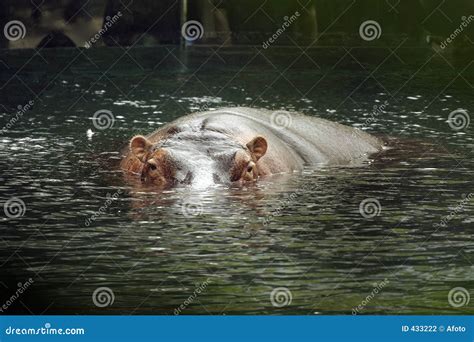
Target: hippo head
(201, 160)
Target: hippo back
(311, 140)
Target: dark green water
(303, 232)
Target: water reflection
(301, 231)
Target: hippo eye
(152, 167)
(249, 168)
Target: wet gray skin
(214, 147)
(202, 158)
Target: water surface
(303, 232)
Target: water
(303, 232)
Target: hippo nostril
(188, 179)
(216, 178)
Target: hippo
(239, 145)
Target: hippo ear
(258, 147)
(140, 146)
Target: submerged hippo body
(242, 144)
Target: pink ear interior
(258, 147)
(140, 146)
